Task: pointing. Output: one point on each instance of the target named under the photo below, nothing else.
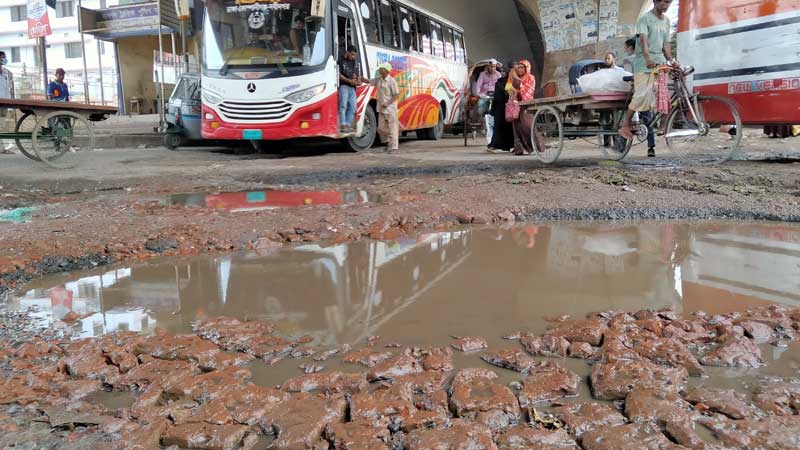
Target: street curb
(108, 141)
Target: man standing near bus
(653, 50)
(388, 94)
(349, 79)
(57, 90)
(486, 81)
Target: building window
(73, 49)
(19, 13)
(65, 9)
(15, 55)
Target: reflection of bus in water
(338, 294)
(270, 67)
(733, 268)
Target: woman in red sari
(521, 88)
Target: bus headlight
(211, 98)
(306, 94)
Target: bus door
(349, 33)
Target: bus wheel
(363, 143)
(435, 133)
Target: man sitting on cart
(57, 90)
(654, 50)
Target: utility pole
(100, 68)
(43, 56)
(83, 55)
(161, 70)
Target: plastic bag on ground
(605, 81)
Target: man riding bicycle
(654, 50)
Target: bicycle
(705, 128)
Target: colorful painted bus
(746, 50)
(270, 67)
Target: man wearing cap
(485, 89)
(57, 90)
(388, 93)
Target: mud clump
(469, 344)
(548, 381)
(782, 399)
(473, 395)
(641, 436)
(723, 401)
(511, 358)
(524, 437)
(582, 417)
(461, 435)
(614, 381)
(327, 383)
(367, 357)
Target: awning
(140, 19)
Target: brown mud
(626, 336)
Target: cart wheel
(547, 134)
(62, 138)
(26, 124)
(172, 141)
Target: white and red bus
(270, 67)
(746, 50)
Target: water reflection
(423, 289)
(269, 199)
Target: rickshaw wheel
(547, 134)
(26, 124)
(619, 148)
(62, 138)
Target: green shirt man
(657, 31)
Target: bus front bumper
(316, 120)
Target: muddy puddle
(274, 199)
(692, 324)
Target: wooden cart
(48, 130)
(555, 119)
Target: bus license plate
(252, 135)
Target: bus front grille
(255, 111)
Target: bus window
(370, 15)
(389, 29)
(438, 45)
(461, 55)
(424, 33)
(408, 29)
(448, 44)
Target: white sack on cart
(605, 80)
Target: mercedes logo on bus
(251, 87)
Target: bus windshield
(262, 34)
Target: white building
(63, 50)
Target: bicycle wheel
(619, 149)
(26, 124)
(62, 138)
(706, 136)
(547, 134)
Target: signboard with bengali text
(38, 20)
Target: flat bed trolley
(48, 130)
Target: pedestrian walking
(503, 136)
(520, 89)
(388, 94)
(486, 85)
(6, 91)
(652, 50)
